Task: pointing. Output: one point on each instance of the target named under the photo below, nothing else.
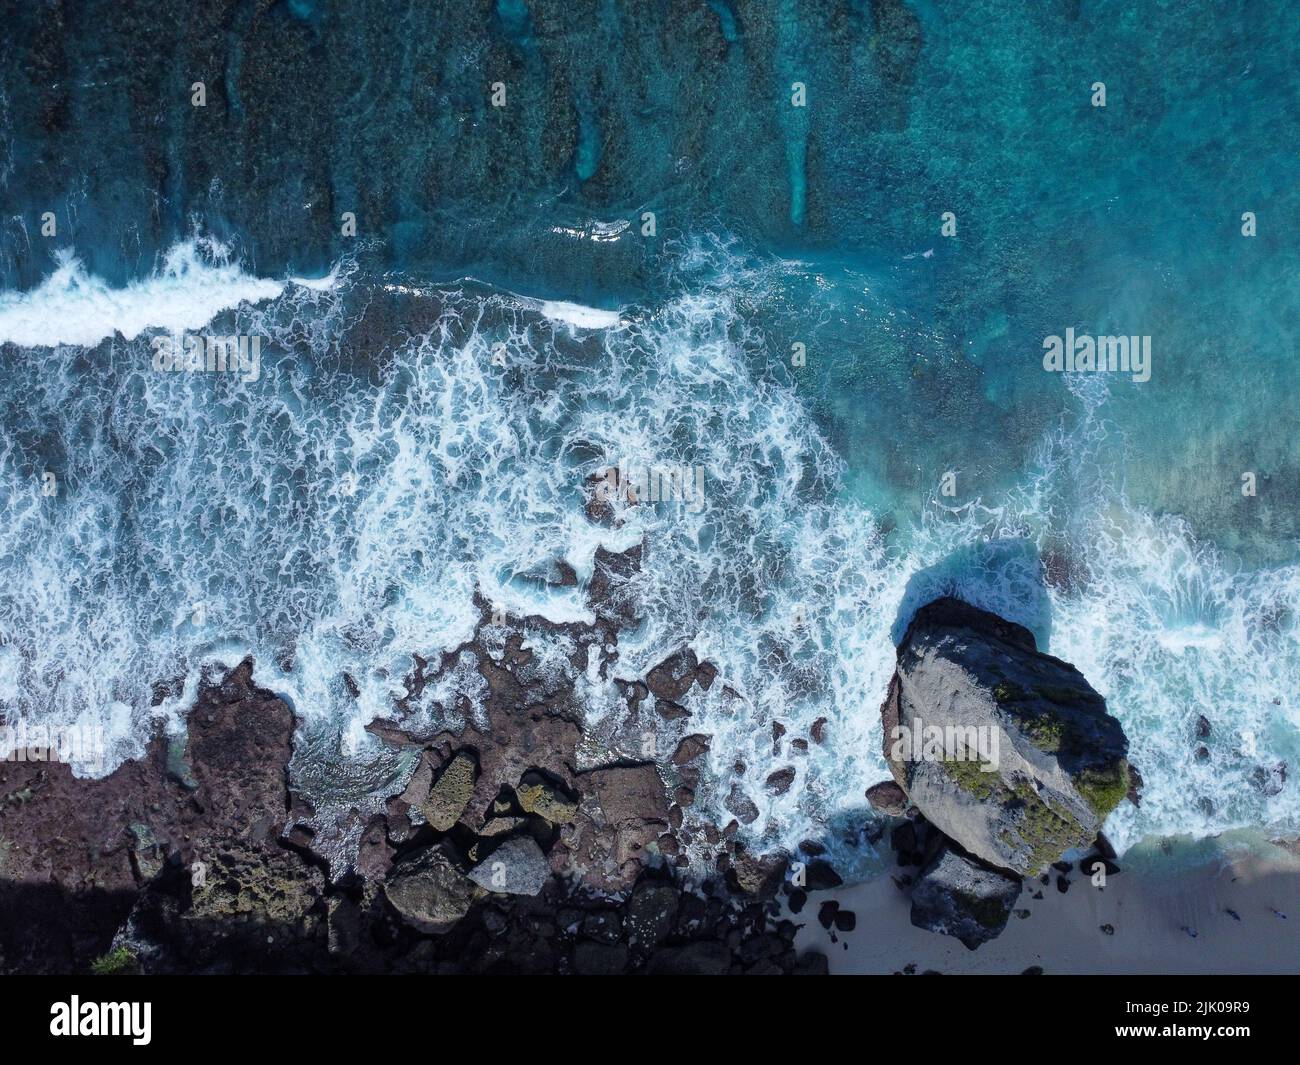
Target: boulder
(545, 798)
(690, 748)
(888, 798)
(740, 804)
(704, 958)
(820, 875)
(600, 959)
(451, 793)
(957, 895)
(651, 912)
(1008, 751)
(629, 793)
(760, 874)
(604, 926)
(673, 677)
(428, 890)
(778, 783)
(517, 867)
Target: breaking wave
(338, 515)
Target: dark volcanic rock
(605, 926)
(957, 895)
(77, 851)
(206, 856)
(888, 798)
(429, 892)
(651, 912)
(740, 804)
(821, 876)
(690, 748)
(778, 783)
(673, 677)
(600, 959)
(704, 958)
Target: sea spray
(340, 513)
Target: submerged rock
(1008, 751)
(740, 804)
(1270, 779)
(957, 895)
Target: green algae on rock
(1050, 763)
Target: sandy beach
(1152, 914)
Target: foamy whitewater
(339, 514)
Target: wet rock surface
(511, 844)
(492, 854)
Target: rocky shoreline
(171, 866)
(503, 850)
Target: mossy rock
(251, 884)
(1051, 762)
(451, 793)
(1104, 788)
(117, 962)
(539, 796)
(968, 776)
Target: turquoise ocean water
(673, 200)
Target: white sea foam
(577, 314)
(319, 284)
(195, 282)
(339, 515)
